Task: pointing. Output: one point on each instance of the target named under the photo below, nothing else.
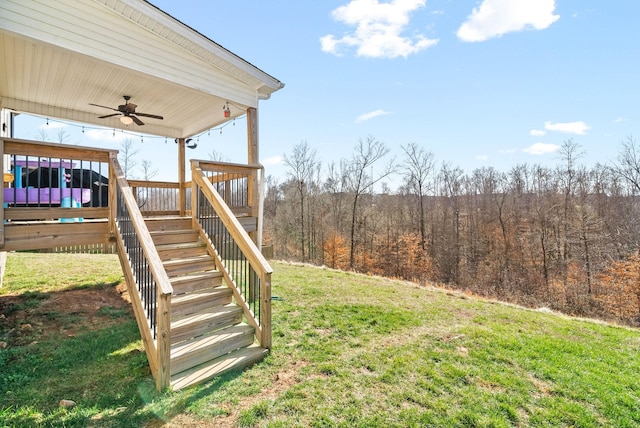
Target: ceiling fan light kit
(127, 112)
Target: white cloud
(541, 149)
(537, 132)
(273, 160)
(578, 128)
(371, 115)
(482, 157)
(507, 151)
(620, 119)
(494, 18)
(378, 29)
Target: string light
(126, 132)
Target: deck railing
(47, 186)
(244, 268)
(147, 279)
(238, 185)
(158, 197)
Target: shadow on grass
(102, 367)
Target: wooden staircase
(208, 335)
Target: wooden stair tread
(197, 324)
(201, 349)
(204, 300)
(196, 281)
(162, 237)
(187, 260)
(181, 249)
(180, 245)
(187, 298)
(210, 274)
(168, 223)
(203, 372)
(188, 265)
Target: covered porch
(189, 249)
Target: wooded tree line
(565, 237)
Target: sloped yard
(349, 350)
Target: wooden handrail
(226, 167)
(160, 355)
(156, 184)
(246, 245)
(150, 252)
(248, 248)
(19, 147)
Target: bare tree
(148, 171)
(628, 163)
(358, 181)
(126, 157)
(43, 135)
(217, 156)
(303, 167)
(418, 168)
(62, 136)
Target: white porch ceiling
(58, 57)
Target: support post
(163, 340)
(113, 197)
(6, 131)
(253, 152)
(182, 192)
(265, 322)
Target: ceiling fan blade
(136, 120)
(109, 115)
(153, 116)
(98, 105)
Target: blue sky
(478, 83)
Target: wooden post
(6, 131)
(253, 155)
(253, 152)
(163, 340)
(113, 198)
(195, 206)
(265, 322)
(182, 192)
(3, 254)
(2, 167)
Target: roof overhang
(58, 57)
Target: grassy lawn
(348, 350)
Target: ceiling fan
(127, 111)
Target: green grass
(348, 350)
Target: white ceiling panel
(58, 57)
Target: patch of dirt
(281, 382)
(29, 317)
